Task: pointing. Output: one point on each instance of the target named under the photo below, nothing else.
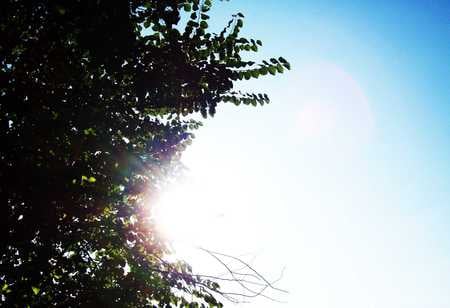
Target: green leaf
(89, 132)
(35, 290)
(272, 70)
(280, 68)
(263, 70)
(187, 7)
(61, 10)
(192, 23)
(255, 73)
(200, 31)
(282, 60)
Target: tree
(94, 113)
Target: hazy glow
(331, 105)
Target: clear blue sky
(345, 177)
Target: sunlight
(180, 211)
(196, 211)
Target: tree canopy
(94, 113)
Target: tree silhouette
(94, 113)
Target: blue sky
(344, 177)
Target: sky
(343, 180)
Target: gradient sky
(345, 177)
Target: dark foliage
(94, 98)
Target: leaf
(272, 70)
(35, 290)
(89, 132)
(263, 70)
(282, 60)
(187, 7)
(280, 68)
(236, 101)
(192, 23)
(90, 179)
(61, 10)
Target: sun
(181, 212)
(191, 213)
(208, 207)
